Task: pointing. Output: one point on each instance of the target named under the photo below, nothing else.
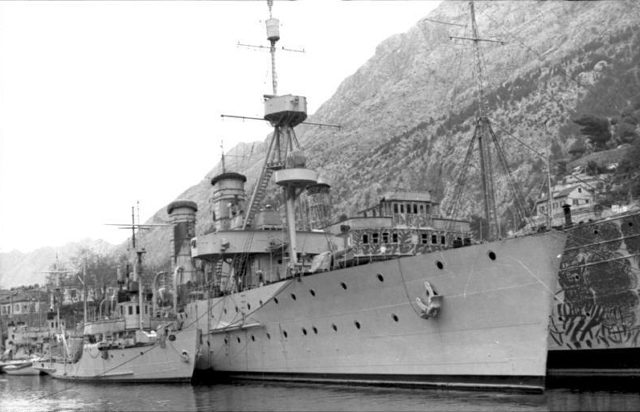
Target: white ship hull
(172, 362)
(361, 325)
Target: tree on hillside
(626, 132)
(578, 148)
(628, 172)
(596, 129)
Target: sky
(105, 104)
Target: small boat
(22, 368)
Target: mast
(486, 169)
(284, 155)
(484, 135)
(283, 113)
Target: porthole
(313, 292)
(357, 324)
(344, 285)
(335, 328)
(394, 317)
(492, 255)
(275, 300)
(380, 277)
(304, 331)
(284, 333)
(293, 296)
(315, 330)
(439, 264)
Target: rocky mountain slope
(408, 113)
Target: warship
(399, 295)
(137, 338)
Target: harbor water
(42, 393)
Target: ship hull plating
(150, 363)
(362, 324)
(595, 327)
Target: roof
(562, 193)
(20, 296)
(408, 196)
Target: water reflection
(41, 393)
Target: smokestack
(228, 201)
(319, 204)
(183, 219)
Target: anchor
(430, 308)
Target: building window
(434, 239)
(408, 208)
(415, 209)
(394, 238)
(421, 208)
(586, 201)
(575, 202)
(424, 238)
(365, 238)
(395, 208)
(130, 310)
(579, 190)
(385, 237)
(375, 237)
(137, 310)
(443, 240)
(401, 208)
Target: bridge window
(365, 238)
